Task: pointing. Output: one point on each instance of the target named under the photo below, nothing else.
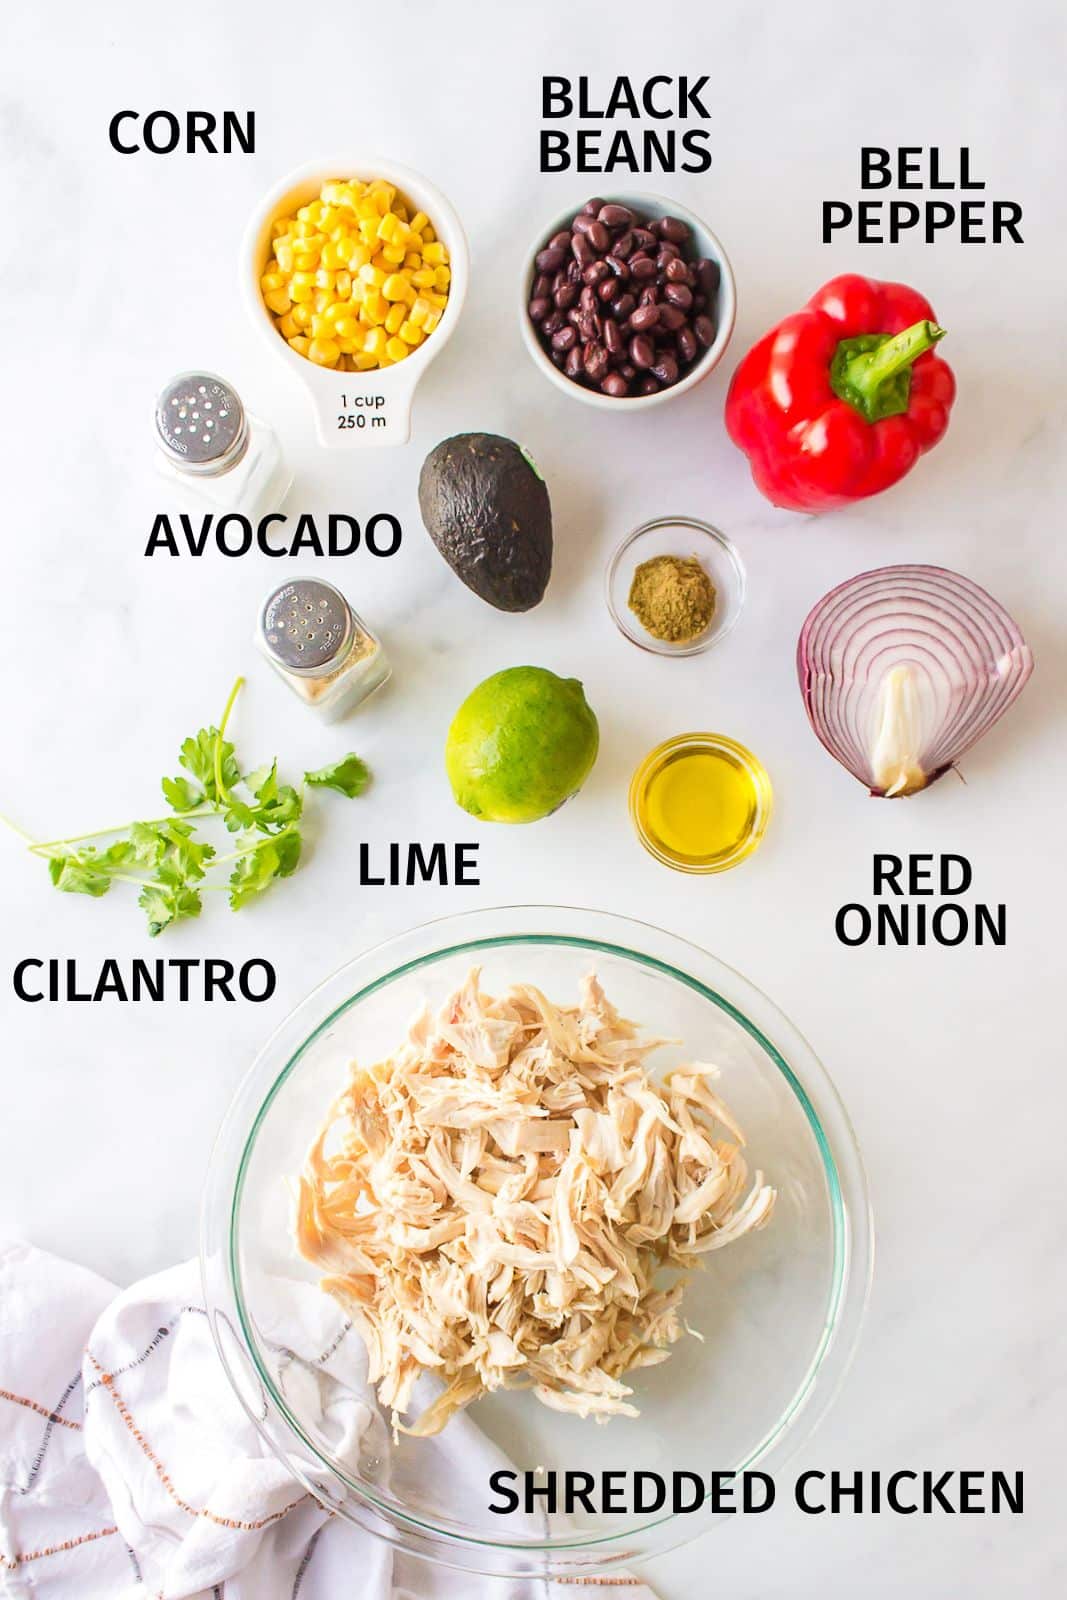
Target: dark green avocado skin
(488, 512)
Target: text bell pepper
(841, 399)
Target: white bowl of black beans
(628, 301)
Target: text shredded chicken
(500, 1202)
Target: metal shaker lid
(307, 625)
(200, 424)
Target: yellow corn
(397, 287)
(357, 278)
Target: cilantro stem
(100, 833)
(16, 829)
(220, 788)
(250, 849)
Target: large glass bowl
(778, 1310)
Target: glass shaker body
(214, 451)
(324, 652)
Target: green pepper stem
(873, 372)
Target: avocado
(486, 508)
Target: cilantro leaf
(349, 776)
(256, 869)
(181, 795)
(164, 903)
(74, 876)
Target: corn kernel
(435, 255)
(393, 253)
(432, 319)
(396, 317)
(301, 315)
(288, 327)
(278, 301)
(397, 287)
(390, 228)
(424, 278)
(396, 349)
(301, 292)
(372, 275)
(323, 279)
(300, 344)
(375, 306)
(410, 333)
(272, 280)
(324, 352)
(362, 362)
(419, 312)
(442, 277)
(428, 235)
(374, 342)
(278, 229)
(358, 256)
(343, 284)
(419, 222)
(283, 254)
(438, 301)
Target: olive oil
(700, 802)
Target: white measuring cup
(356, 410)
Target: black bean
(621, 269)
(644, 238)
(704, 329)
(587, 298)
(550, 259)
(678, 295)
(574, 271)
(624, 245)
(647, 384)
(616, 216)
(575, 365)
(708, 275)
(595, 271)
(558, 357)
(566, 295)
(615, 385)
(642, 350)
(595, 361)
(644, 317)
(688, 344)
(674, 229)
(606, 290)
(649, 295)
(540, 306)
(642, 268)
(613, 337)
(575, 316)
(553, 322)
(560, 241)
(628, 370)
(666, 252)
(542, 285)
(591, 207)
(671, 318)
(599, 237)
(622, 307)
(583, 250)
(565, 339)
(583, 222)
(677, 272)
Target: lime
(520, 744)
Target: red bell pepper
(841, 399)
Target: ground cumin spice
(672, 598)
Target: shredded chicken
(499, 1202)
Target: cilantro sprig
(167, 861)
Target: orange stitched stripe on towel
(108, 1382)
(42, 1411)
(55, 1549)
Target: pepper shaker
(320, 647)
(216, 450)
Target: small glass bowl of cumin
(688, 539)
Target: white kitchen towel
(129, 1471)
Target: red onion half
(903, 669)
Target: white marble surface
(117, 271)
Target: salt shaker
(320, 647)
(216, 450)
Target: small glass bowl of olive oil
(700, 802)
